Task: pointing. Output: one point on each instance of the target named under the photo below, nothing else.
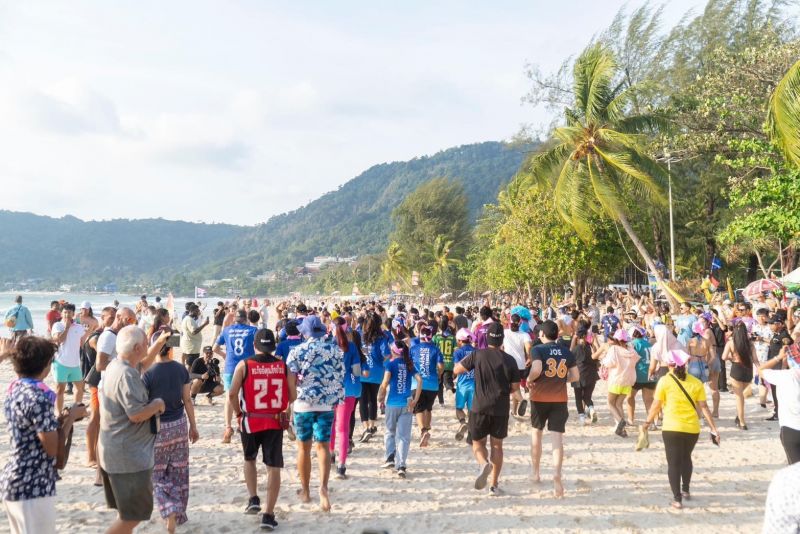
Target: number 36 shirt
(557, 360)
(238, 340)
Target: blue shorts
(313, 424)
(464, 395)
(227, 378)
(66, 374)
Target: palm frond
(637, 124)
(783, 119)
(605, 191)
(540, 169)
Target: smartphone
(174, 340)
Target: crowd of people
(303, 379)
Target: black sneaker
(373, 430)
(389, 463)
(268, 522)
(365, 436)
(341, 472)
(253, 506)
(401, 472)
(773, 418)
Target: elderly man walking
(126, 440)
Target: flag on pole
(716, 264)
(199, 292)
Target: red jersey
(264, 393)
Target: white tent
(792, 278)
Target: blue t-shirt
(352, 383)
(465, 380)
(426, 356)
(238, 340)
(610, 323)
(283, 348)
(400, 386)
(642, 348)
(375, 353)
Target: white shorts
(32, 516)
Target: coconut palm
(597, 160)
(783, 120)
(442, 264)
(395, 267)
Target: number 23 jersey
(557, 360)
(264, 393)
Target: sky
(239, 110)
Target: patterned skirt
(171, 469)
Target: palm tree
(598, 158)
(441, 263)
(395, 267)
(783, 120)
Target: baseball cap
(777, 318)
(86, 305)
(208, 348)
(464, 335)
(494, 334)
(622, 335)
(265, 340)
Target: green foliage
(784, 115)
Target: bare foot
(558, 488)
(536, 478)
(171, 524)
(304, 496)
(324, 502)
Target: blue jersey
(238, 340)
(610, 323)
(466, 379)
(400, 387)
(352, 382)
(283, 348)
(426, 357)
(375, 353)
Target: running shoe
(226, 437)
(253, 505)
(581, 419)
(341, 472)
(365, 436)
(290, 433)
(483, 475)
(522, 408)
(401, 472)
(592, 414)
(620, 429)
(373, 430)
(462, 429)
(494, 491)
(389, 462)
(268, 522)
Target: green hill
(352, 220)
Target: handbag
(64, 433)
(11, 321)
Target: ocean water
(39, 303)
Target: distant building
(321, 261)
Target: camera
(213, 368)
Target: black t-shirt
(777, 341)
(165, 380)
(461, 321)
(583, 358)
(219, 317)
(199, 366)
(495, 371)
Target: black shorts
(209, 386)
(271, 444)
(643, 385)
(426, 400)
(555, 414)
(482, 425)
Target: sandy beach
(609, 486)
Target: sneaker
(290, 433)
(620, 429)
(365, 436)
(483, 475)
(494, 491)
(462, 429)
(268, 522)
(774, 417)
(582, 419)
(592, 414)
(373, 430)
(522, 408)
(389, 462)
(401, 472)
(226, 437)
(253, 505)
(341, 472)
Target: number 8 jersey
(551, 386)
(264, 393)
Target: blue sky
(236, 111)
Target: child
(465, 384)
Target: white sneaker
(582, 419)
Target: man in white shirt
(264, 312)
(67, 364)
(192, 335)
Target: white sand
(609, 486)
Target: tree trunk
(646, 257)
(752, 268)
(658, 238)
(711, 243)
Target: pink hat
(464, 335)
(698, 328)
(622, 335)
(677, 358)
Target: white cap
(86, 305)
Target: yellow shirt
(679, 415)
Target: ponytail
(341, 334)
(680, 372)
(401, 348)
